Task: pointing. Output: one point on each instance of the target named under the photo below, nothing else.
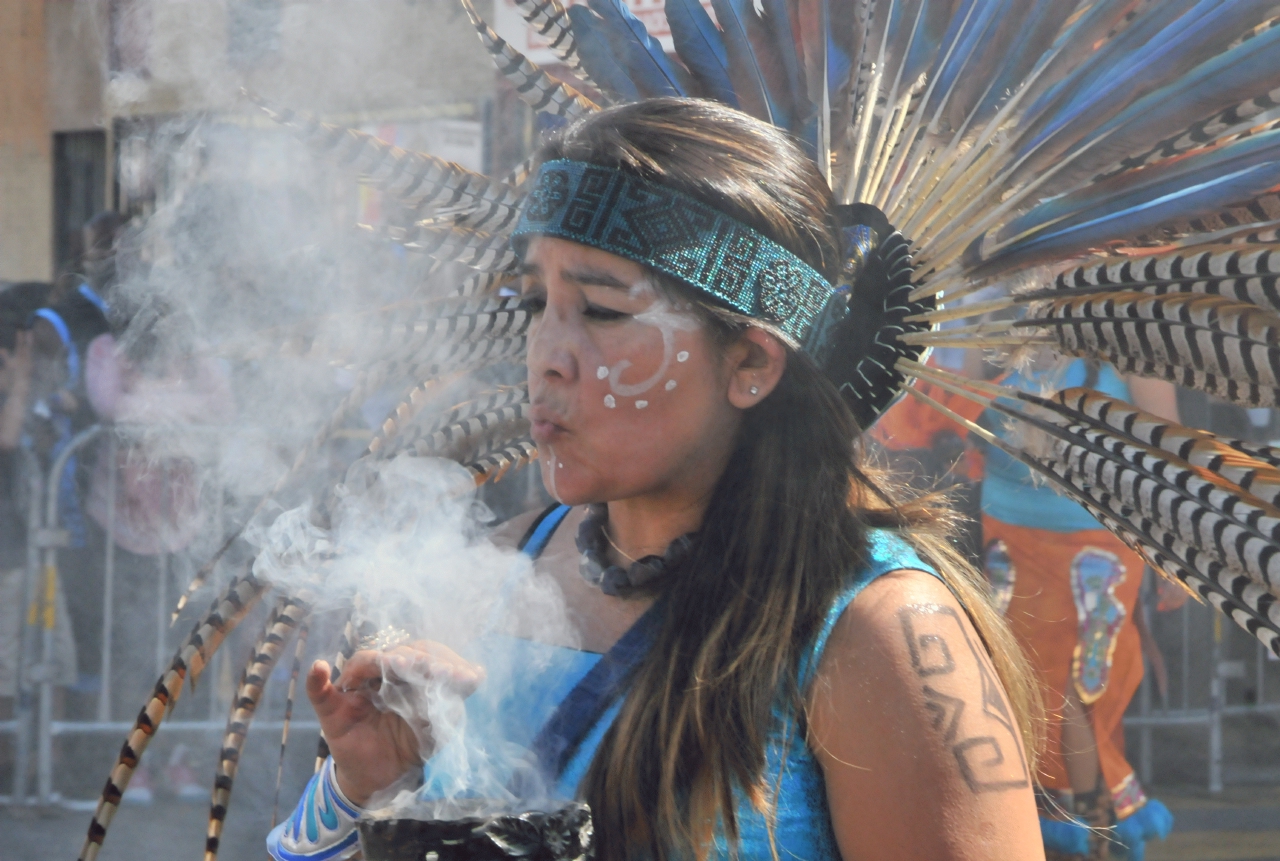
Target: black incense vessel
(564, 834)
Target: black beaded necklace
(593, 543)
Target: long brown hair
(784, 529)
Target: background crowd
(69, 369)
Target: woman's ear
(756, 363)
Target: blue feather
(933, 19)
(835, 19)
(839, 68)
(1086, 68)
(1250, 68)
(968, 31)
(642, 55)
(1139, 202)
(1147, 61)
(701, 47)
(835, 70)
(738, 21)
(826, 59)
(1043, 20)
(597, 56)
(777, 20)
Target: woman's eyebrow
(594, 277)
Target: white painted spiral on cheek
(667, 320)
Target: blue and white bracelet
(322, 827)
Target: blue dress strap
(535, 540)
(573, 719)
(886, 551)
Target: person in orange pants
(1070, 592)
(1089, 663)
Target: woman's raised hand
(373, 747)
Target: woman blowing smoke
(806, 669)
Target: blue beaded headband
(681, 237)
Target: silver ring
(384, 639)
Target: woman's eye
(533, 304)
(598, 312)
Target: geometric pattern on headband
(677, 235)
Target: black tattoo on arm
(978, 739)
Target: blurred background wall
(85, 85)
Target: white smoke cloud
(243, 251)
(403, 544)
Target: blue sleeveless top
(533, 678)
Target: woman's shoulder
(906, 688)
(887, 551)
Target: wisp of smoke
(404, 542)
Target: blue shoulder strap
(569, 724)
(540, 532)
(562, 734)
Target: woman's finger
(362, 671)
(366, 669)
(320, 690)
(432, 660)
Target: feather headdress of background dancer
(1116, 160)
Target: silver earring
(754, 390)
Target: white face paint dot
(610, 402)
(641, 404)
(602, 372)
(671, 384)
(560, 465)
(682, 356)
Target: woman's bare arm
(919, 748)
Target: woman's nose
(553, 347)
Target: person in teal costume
(770, 655)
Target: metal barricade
(1205, 680)
(20, 726)
(35, 683)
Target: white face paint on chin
(552, 466)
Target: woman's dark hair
(785, 527)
